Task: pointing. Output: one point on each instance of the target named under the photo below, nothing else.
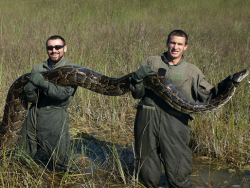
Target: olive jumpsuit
(47, 123)
(161, 132)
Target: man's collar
(164, 58)
(59, 64)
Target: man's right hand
(30, 87)
(38, 80)
(142, 72)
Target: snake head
(239, 76)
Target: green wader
(161, 136)
(47, 123)
(161, 132)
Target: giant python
(15, 110)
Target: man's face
(56, 50)
(176, 47)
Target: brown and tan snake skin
(16, 108)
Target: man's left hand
(230, 78)
(236, 84)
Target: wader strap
(141, 106)
(49, 107)
(180, 114)
(171, 112)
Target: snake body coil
(16, 107)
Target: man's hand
(36, 78)
(230, 78)
(30, 87)
(142, 72)
(236, 84)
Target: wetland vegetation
(112, 37)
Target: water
(100, 154)
(219, 175)
(204, 174)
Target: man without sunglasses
(47, 123)
(161, 132)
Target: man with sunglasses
(47, 123)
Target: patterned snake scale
(15, 110)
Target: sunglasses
(57, 47)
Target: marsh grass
(112, 37)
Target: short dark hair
(179, 33)
(54, 37)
